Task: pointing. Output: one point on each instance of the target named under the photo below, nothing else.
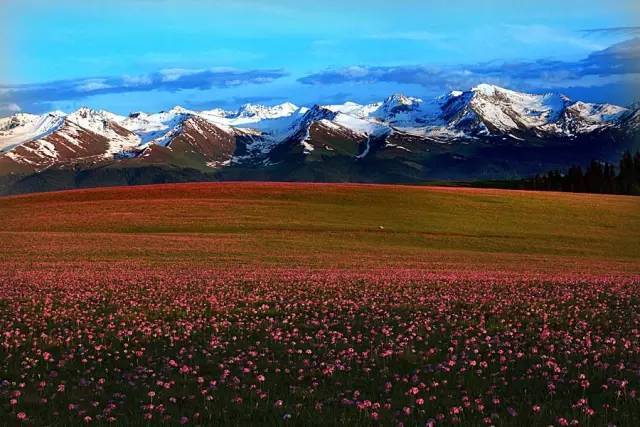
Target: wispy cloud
(407, 35)
(537, 34)
(617, 60)
(624, 31)
(8, 109)
(172, 80)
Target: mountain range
(487, 132)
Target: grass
(325, 225)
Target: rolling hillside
(325, 225)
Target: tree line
(598, 177)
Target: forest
(598, 177)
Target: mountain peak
(318, 112)
(180, 110)
(486, 89)
(485, 110)
(398, 99)
(83, 116)
(398, 103)
(56, 113)
(288, 106)
(250, 109)
(263, 135)
(265, 112)
(84, 112)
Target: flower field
(289, 346)
(231, 338)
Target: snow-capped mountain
(631, 119)
(398, 104)
(21, 128)
(581, 117)
(249, 113)
(502, 110)
(396, 131)
(85, 136)
(491, 110)
(156, 128)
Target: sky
(151, 55)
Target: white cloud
(133, 81)
(93, 85)
(174, 74)
(613, 64)
(30, 96)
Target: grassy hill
(326, 225)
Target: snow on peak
(251, 110)
(483, 110)
(318, 112)
(180, 110)
(400, 108)
(287, 107)
(350, 115)
(264, 112)
(354, 109)
(487, 89)
(598, 112)
(507, 110)
(103, 123)
(359, 125)
(399, 100)
(23, 127)
(87, 117)
(216, 112)
(152, 127)
(17, 120)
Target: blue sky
(153, 54)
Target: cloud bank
(611, 74)
(625, 31)
(600, 67)
(171, 80)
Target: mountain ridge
(495, 131)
